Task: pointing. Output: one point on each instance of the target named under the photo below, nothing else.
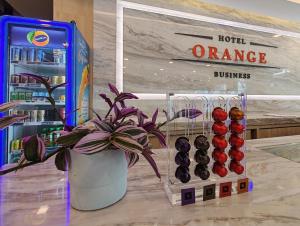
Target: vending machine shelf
(45, 123)
(32, 86)
(41, 66)
(41, 103)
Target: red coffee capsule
(236, 154)
(236, 114)
(236, 167)
(219, 142)
(236, 141)
(236, 127)
(219, 114)
(219, 156)
(219, 128)
(219, 169)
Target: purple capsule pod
(182, 158)
(182, 174)
(182, 144)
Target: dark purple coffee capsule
(202, 172)
(182, 174)
(182, 158)
(201, 143)
(201, 157)
(182, 144)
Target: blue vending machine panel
(82, 72)
(44, 48)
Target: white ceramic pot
(98, 180)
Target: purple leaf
(160, 136)
(34, 149)
(93, 142)
(72, 137)
(63, 159)
(68, 128)
(113, 89)
(134, 131)
(9, 120)
(149, 158)
(132, 158)
(117, 113)
(6, 106)
(154, 116)
(148, 126)
(106, 99)
(125, 96)
(126, 112)
(141, 117)
(103, 125)
(144, 141)
(188, 113)
(126, 143)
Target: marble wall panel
(150, 43)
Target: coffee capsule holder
(185, 186)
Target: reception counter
(39, 196)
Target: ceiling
(284, 9)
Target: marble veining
(39, 196)
(148, 45)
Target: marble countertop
(39, 196)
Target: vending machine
(56, 51)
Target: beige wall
(82, 12)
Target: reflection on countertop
(39, 196)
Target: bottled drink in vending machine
(15, 54)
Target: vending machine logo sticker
(38, 38)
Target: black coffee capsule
(201, 157)
(202, 172)
(182, 144)
(182, 158)
(201, 143)
(182, 174)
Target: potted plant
(98, 153)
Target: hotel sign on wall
(209, 53)
(179, 51)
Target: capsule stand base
(225, 189)
(188, 196)
(209, 192)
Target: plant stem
(6, 171)
(110, 109)
(165, 122)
